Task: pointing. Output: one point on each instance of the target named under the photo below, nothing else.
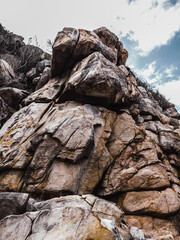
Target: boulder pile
(85, 152)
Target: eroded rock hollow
(86, 152)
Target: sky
(148, 29)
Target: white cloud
(169, 72)
(171, 90)
(152, 24)
(147, 22)
(149, 73)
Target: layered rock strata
(89, 129)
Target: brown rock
(5, 112)
(124, 56)
(49, 139)
(13, 96)
(6, 73)
(67, 218)
(12, 203)
(63, 48)
(31, 74)
(134, 153)
(109, 39)
(154, 228)
(71, 46)
(170, 141)
(88, 43)
(97, 80)
(159, 203)
(47, 93)
(44, 78)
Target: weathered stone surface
(72, 45)
(11, 180)
(15, 227)
(56, 137)
(13, 96)
(6, 73)
(68, 217)
(93, 80)
(14, 134)
(172, 112)
(170, 141)
(5, 112)
(63, 48)
(9, 42)
(134, 154)
(137, 234)
(159, 203)
(148, 106)
(47, 93)
(29, 55)
(44, 78)
(12, 60)
(109, 39)
(31, 74)
(40, 66)
(96, 80)
(128, 153)
(88, 43)
(12, 203)
(154, 228)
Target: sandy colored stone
(160, 203)
(46, 94)
(11, 180)
(132, 167)
(170, 141)
(15, 227)
(154, 228)
(72, 45)
(96, 80)
(44, 137)
(68, 217)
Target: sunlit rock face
(77, 130)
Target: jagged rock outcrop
(89, 128)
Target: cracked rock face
(71, 217)
(89, 128)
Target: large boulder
(93, 80)
(72, 45)
(161, 203)
(71, 217)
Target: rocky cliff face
(85, 152)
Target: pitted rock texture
(89, 128)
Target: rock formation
(85, 151)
